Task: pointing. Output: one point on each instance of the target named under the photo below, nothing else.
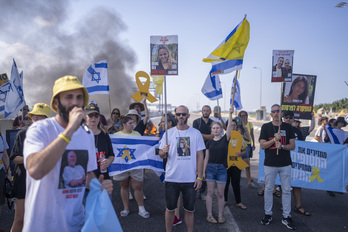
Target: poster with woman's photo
(164, 55)
(183, 146)
(282, 65)
(298, 95)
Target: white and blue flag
(15, 95)
(237, 103)
(212, 87)
(3, 96)
(135, 152)
(96, 78)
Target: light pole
(260, 84)
(225, 96)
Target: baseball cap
(67, 83)
(92, 108)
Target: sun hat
(40, 109)
(92, 108)
(133, 112)
(142, 108)
(67, 83)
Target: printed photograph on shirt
(73, 169)
(164, 55)
(282, 65)
(183, 146)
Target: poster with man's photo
(164, 55)
(298, 95)
(282, 65)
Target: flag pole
(280, 112)
(109, 104)
(165, 108)
(234, 88)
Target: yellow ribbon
(126, 154)
(315, 175)
(143, 88)
(235, 145)
(158, 81)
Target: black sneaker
(266, 220)
(288, 223)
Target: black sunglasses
(26, 118)
(288, 117)
(178, 114)
(275, 111)
(116, 113)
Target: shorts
(172, 192)
(216, 172)
(248, 153)
(136, 174)
(2, 183)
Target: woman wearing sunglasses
(104, 151)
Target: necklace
(180, 135)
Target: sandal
(211, 219)
(241, 206)
(144, 214)
(124, 213)
(261, 192)
(302, 211)
(221, 219)
(277, 194)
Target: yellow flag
(158, 81)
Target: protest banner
(164, 55)
(298, 95)
(135, 152)
(282, 65)
(318, 166)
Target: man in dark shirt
(203, 124)
(277, 139)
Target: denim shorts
(172, 192)
(248, 152)
(216, 172)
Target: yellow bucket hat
(40, 109)
(67, 83)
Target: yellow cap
(67, 83)
(40, 109)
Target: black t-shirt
(19, 176)
(104, 146)
(305, 132)
(204, 128)
(218, 151)
(283, 158)
(298, 134)
(140, 127)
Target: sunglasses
(275, 111)
(243, 115)
(288, 117)
(179, 114)
(116, 113)
(26, 118)
(95, 115)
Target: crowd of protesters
(205, 147)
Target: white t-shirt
(3, 147)
(182, 156)
(320, 133)
(49, 204)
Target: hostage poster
(298, 95)
(282, 65)
(164, 55)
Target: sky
(49, 40)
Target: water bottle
(101, 158)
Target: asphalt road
(328, 213)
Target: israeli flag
(336, 136)
(96, 78)
(15, 96)
(135, 152)
(212, 87)
(3, 96)
(237, 103)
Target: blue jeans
(216, 172)
(285, 179)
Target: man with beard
(49, 205)
(203, 124)
(181, 170)
(287, 71)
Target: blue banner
(319, 166)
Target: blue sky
(316, 30)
